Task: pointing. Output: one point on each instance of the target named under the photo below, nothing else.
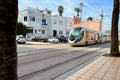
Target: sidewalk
(36, 43)
(104, 68)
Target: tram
(84, 36)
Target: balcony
(43, 27)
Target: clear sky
(91, 8)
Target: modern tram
(85, 36)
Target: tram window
(80, 35)
(75, 32)
(100, 36)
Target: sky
(91, 8)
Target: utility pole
(81, 5)
(101, 21)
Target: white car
(53, 39)
(20, 39)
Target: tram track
(50, 56)
(38, 51)
(56, 65)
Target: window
(35, 30)
(60, 22)
(43, 31)
(31, 18)
(80, 37)
(99, 35)
(25, 18)
(44, 22)
(55, 21)
(60, 32)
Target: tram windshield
(74, 33)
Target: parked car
(53, 39)
(62, 39)
(44, 39)
(37, 38)
(20, 39)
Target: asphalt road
(47, 62)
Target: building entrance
(54, 32)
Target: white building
(41, 23)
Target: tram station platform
(103, 68)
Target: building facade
(40, 23)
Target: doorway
(54, 33)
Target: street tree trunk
(60, 13)
(114, 35)
(8, 53)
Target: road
(46, 62)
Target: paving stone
(95, 78)
(77, 74)
(71, 78)
(107, 78)
(81, 79)
(104, 68)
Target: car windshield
(21, 37)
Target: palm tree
(77, 10)
(60, 10)
(114, 34)
(8, 54)
(89, 19)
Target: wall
(58, 25)
(95, 24)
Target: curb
(36, 43)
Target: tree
(77, 10)
(114, 51)
(60, 10)
(89, 19)
(8, 53)
(21, 29)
